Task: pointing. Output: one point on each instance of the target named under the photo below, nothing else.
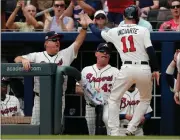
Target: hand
(82, 21)
(128, 117)
(88, 19)
(167, 26)
(156, 75)
(26, 64)
(18, 4)
(97, 89)
(142, 120)
(61, 17)
(176, 54)
(177, 97)
(22, 5)
(145, 10)
(178, 28)
(47, 16)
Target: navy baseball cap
(52, 34)
(4, 82)
(103, 47)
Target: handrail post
(61, 71)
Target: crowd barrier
(168, 40)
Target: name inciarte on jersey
(125, 102)
(9, 110)
(128, 31)
(90, 78)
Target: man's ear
(96, 54)
(45, 44)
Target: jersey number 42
(130, 40)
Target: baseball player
(136, 51)
(101, 77)
(128, 104)
(177, 88)
(52, 54)
(10, 105)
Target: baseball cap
(4, 82)
(52, 34)
(100, 12)
(103, 47)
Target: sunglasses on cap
(59, 5)
(175, 6)
(100, 16)
(53, 39)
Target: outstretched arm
(80, 38)
(86, 7)
(10, 22)
(92, 26)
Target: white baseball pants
(35, 120)
(128, 75)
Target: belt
(37, 94)
(92, 105)
(142, 62)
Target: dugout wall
(165, 111)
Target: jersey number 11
(131, 42)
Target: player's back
(131, 42)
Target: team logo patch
(60, 62)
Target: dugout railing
(51, 89)
(164, 42)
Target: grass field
(85, 137)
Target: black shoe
(128, 133)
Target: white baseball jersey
(103, 80)
(178, 62)
(62, 58)
(129, 102)
(130, 41)
(100, 79)
(11, 107)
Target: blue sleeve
(95, 30)
(147, 116)
(170, 80)
(153, 59)
(122, 116)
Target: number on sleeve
(131, 42)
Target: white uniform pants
(129, 74)
(35, 120)
(91, 118)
